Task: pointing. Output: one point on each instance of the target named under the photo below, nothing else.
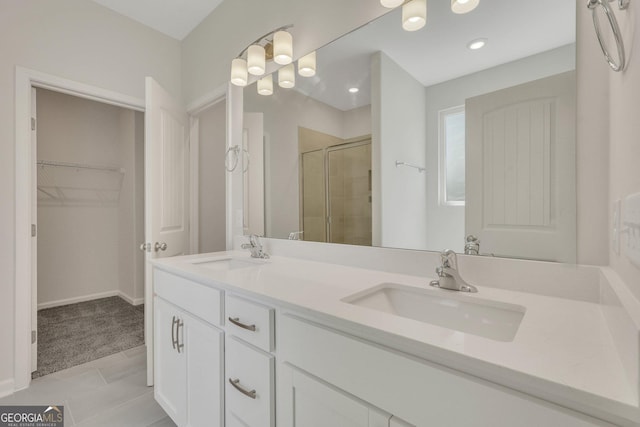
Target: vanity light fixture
(239, 73)
(282, 47)
(391, 3)
(287, 76)
(477, 44)
(307, 65)
(354, 90)
(265, 85)
(463, 6)
(414, 15)
(256, 62)
(276, 45)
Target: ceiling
(438, 52)
(175, 18)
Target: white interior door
(166, 190)
(252, 162)
(520, 170)
(34, 237)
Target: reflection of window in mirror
(452, 163)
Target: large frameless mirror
(420, 139)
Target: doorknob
(145, 247)
(160, 246)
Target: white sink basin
(490, 319)
(225, 264)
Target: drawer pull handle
(236, 384)
(173, 332)
(236, 321)
(179, 324)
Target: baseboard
(6, 387)
(74, 300)
(132, 301)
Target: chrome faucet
(472, 245)
(255, 247)
(295, 235)
(449, 277)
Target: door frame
(25, 80)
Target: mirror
(413, 140)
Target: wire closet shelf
(64, 183)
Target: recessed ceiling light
(477, 44)
(353, 90)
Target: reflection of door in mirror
(349, 196)
(313, 197)
(251, 159)
(521, 169)
(335, 188)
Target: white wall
(78, 40)
(356, 122)
(90, 249)
(624, 134)
(399, 134)
(445, 225)
(284, 112)
(211, 183)
(131, 207)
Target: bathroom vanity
(293, 342)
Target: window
(452, 162)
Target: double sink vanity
(287, 341)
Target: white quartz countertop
(562, 352)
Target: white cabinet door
(205, 354)
(170, 365)
(318, 404)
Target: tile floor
(111, 391)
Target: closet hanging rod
(80, 166)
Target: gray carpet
(78, 333)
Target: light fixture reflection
(256, 62)
(282, 48)
(239, 75)
(414, 15)
(307, 65)
(353, 90)
(287, 76)
(463, 6)
(265, 85)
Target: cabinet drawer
(200, 300)
(250, 321)
(249, 384)
(417, 391)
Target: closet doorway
(89, 214)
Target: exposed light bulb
(239, 75)
(307, 65)
(287, 76)
(282, 48)
(463, 6)
(391, 3)
(265, 85)
(353, 90)
(414, 15)
(256, 62)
